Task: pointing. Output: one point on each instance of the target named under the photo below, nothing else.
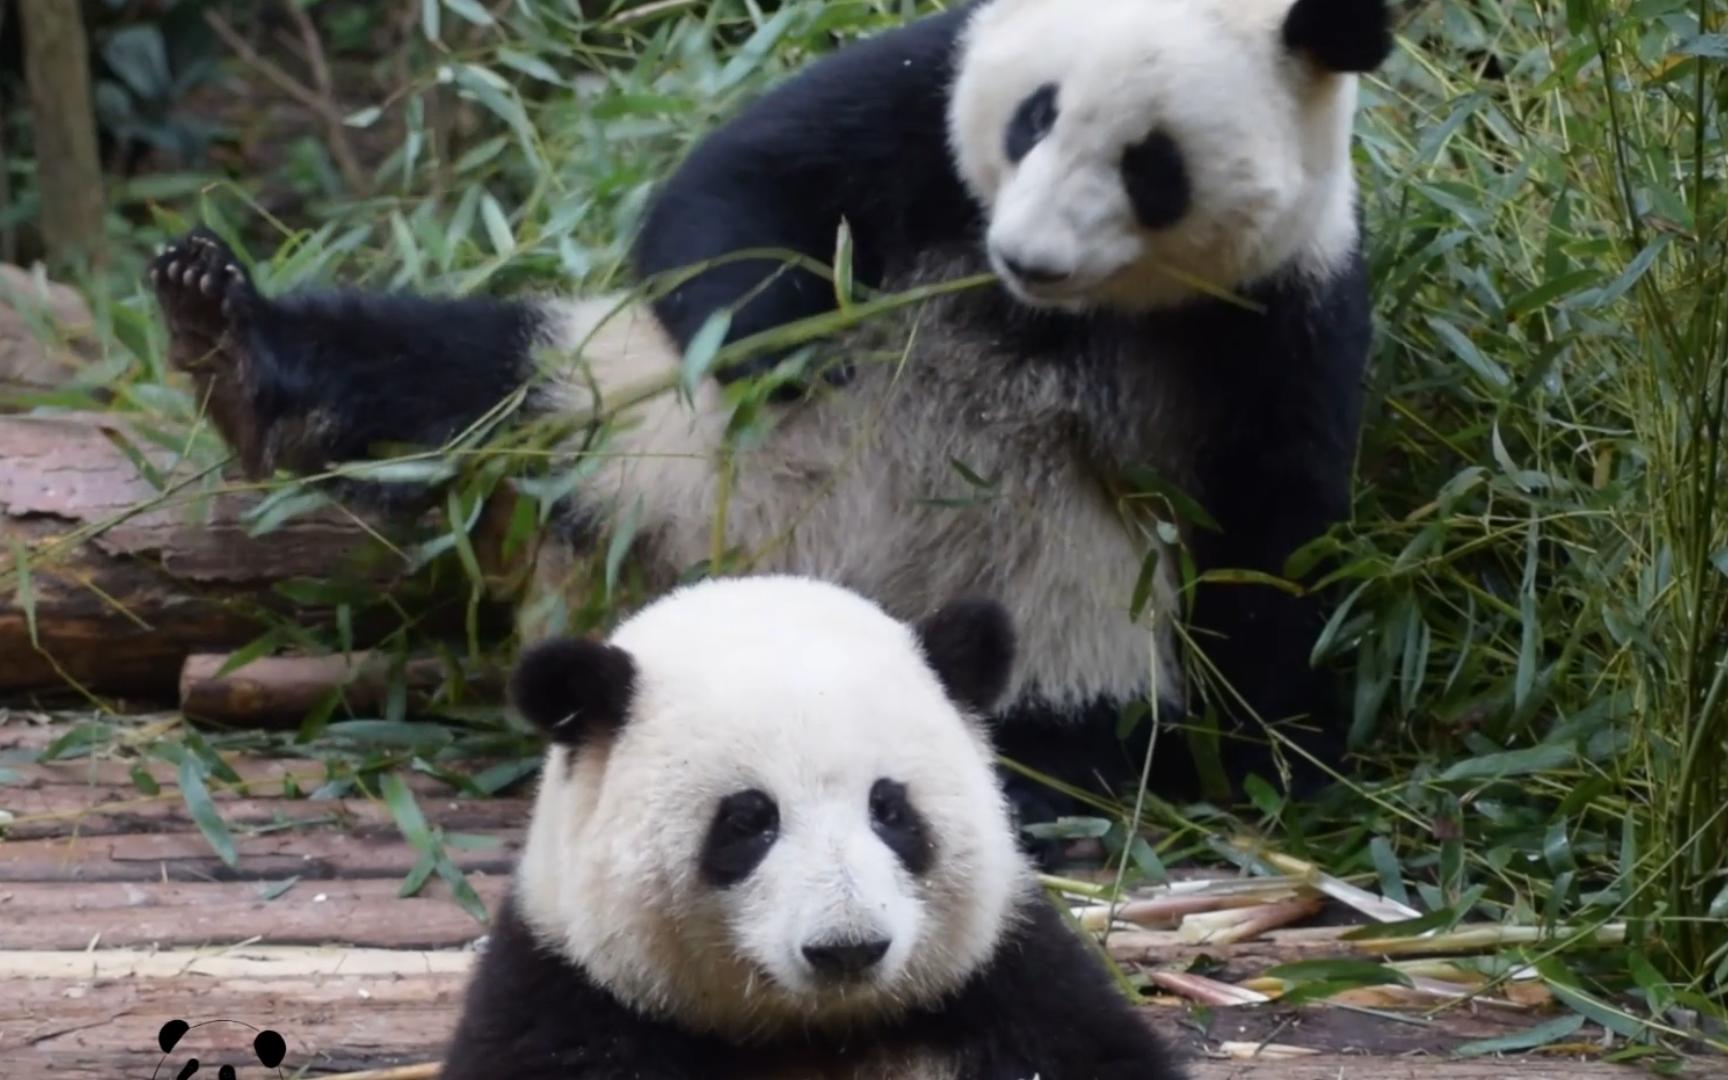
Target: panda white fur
(769, 843)
(1114, 162)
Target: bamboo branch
(323, 103)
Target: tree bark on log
(283, 689)
(68, 170)
(46, 332)
(125, 583)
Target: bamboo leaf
(1540, 1035)
(204, 813)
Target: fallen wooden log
(46, 333)
(283, 689)
(125, 574)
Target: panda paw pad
(202, 289)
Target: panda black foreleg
(1269, 496)
(311, 379)
(1048, 1008)
(1086, 749)
(530, 1014)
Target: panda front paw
(206, 296)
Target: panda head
(770, 806)
(1137, 153)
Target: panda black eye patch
(744, 828)
(1032, 120)
(1156, 180)
(900, 826)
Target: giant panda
(1163, 191)
(769, 843)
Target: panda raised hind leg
(310, 379)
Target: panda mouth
(1068, 294)
(1073, 292)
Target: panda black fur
(769, 842)
(1100, 157)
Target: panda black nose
(1034, 273)
(846, 959)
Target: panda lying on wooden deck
(769, 844)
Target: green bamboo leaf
(470, 10)
(1528, 1039)
(1404, 928)
(704, 348)
(1231, 576)
(25, 591)
(143, 781)
(418, 874)
(1465, 349)
(464, 893)
(619, 546)
(843, 265)
(406, 811)
(1356, 972)
(148, 471)
(203, 811)
(74, 743)
(1548, 757)
(1144, 584)
(1565, 987)
(497, 225)
(1391, 874)
(1719, 906)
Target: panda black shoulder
(860, 135)
(508, 1028)
(1045, 998)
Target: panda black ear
(970, 645)
(573, 688)
(1346, 36)
(270, 1047)
(171, 1033)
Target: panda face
(1137, 153)
(770, 806)
(818, 880)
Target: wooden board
(370, 1009)
(116, 915)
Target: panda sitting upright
(769, 845)
(1117, 164)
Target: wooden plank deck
(116, 915)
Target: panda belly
(859, 486)
(862, 488)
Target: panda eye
(744, 829)
(1156, 181)
(888, 803)
(748, 813)
(1032, 120)
(900, 826)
